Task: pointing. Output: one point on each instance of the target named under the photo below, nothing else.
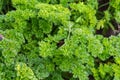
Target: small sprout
(1, 37)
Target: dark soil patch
(91, 77)
(108, 32)
(60, 43)
(103, 5)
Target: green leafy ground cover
(59, 40)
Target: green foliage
(56, 40)
(24, 72)
(1, 3)
(83, 14)
(53, 13)
(115, 4)
(104, 72)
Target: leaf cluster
(56, 40)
